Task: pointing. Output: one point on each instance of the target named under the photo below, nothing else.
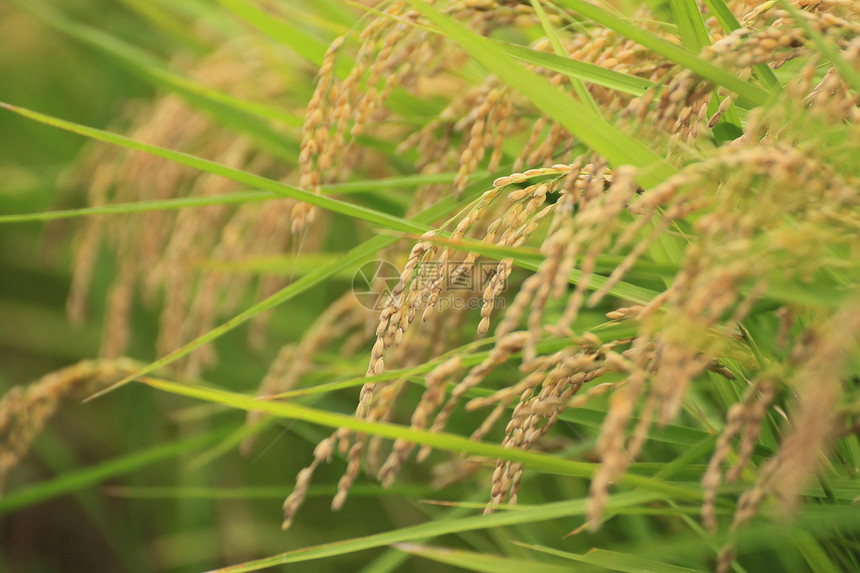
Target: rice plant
(566, 285)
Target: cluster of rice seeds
(536, 289)
(603, 200)
(499, 354)
(681, 109)
(24, 411)
(483, 115)
(743, 419)
(523, 431)
(315, 153)
(543, 396)
(392, 53)
(423, 276)
(612, 441)
(516, 226)
(601, 196)
(488, 124)
(378, 405)
(775, 39)
(682, 106)
(322, 453)
(820, 358)
(512, 228)
(348, 443)
(411, 295)
(707, 290)
(601, 47)
(605, 48)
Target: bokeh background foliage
(142, 479)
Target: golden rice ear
(24, 410)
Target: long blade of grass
(485, 562)
(252, 180)
(557, 510)
(578, 85)
(225, 199)
(441, 440)
(615, 561)
(687, 17)
(88, 477)
(142, 207)
(592, 128)
(255, 492)
(577, 69)
(750, 94)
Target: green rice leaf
(616, 561)
(486, 562)
(577, 69)
(142, 207)
(549, 511)
(579, 87)
(89, 477)
(441, 440)
(225, 199)
(690, 25)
